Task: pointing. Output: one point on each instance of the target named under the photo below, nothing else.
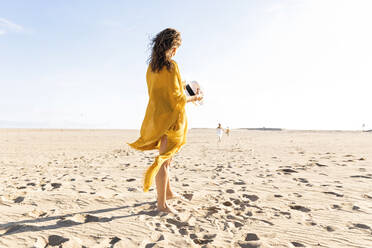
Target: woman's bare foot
(173, 196)
(167, 209)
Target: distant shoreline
(264, 129)
(233, 129)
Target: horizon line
(134, 129)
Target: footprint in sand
(207, 238)
(238, 224)
(251, 241)
(227, 203)
(249, 213)
(236, 201)
(114, 240)
(302, 180)
(297, 244)
(356, 208)
(311, 223)
(361, 226)
(188, 196)
(286, 214)
(177, 223)
(251, 237)
(239, 182)
(56, 240)
(367, 196)
(369, 176)
(183, 231)
(287, 171)
(300, 208)
(56, 185)
(330, 228)
(349, 160)
(251, 197)
(333, 193)
(212, 210)
(335, 206)
(320, 165)
(19, 199)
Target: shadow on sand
(64, 221)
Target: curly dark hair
(161, 44)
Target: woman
(219, 132)
(165, 125)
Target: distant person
(165, 125)
(219, 132)
(227, 131)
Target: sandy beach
(83, 188)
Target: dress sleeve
(177, 95)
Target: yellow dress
(165, 115)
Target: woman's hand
(198, 97)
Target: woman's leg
(170, 194)
(162, 179)
(161, 186)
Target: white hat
(192, 88)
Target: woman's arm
(194, 98)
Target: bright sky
(290, 64)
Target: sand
(83, 188)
